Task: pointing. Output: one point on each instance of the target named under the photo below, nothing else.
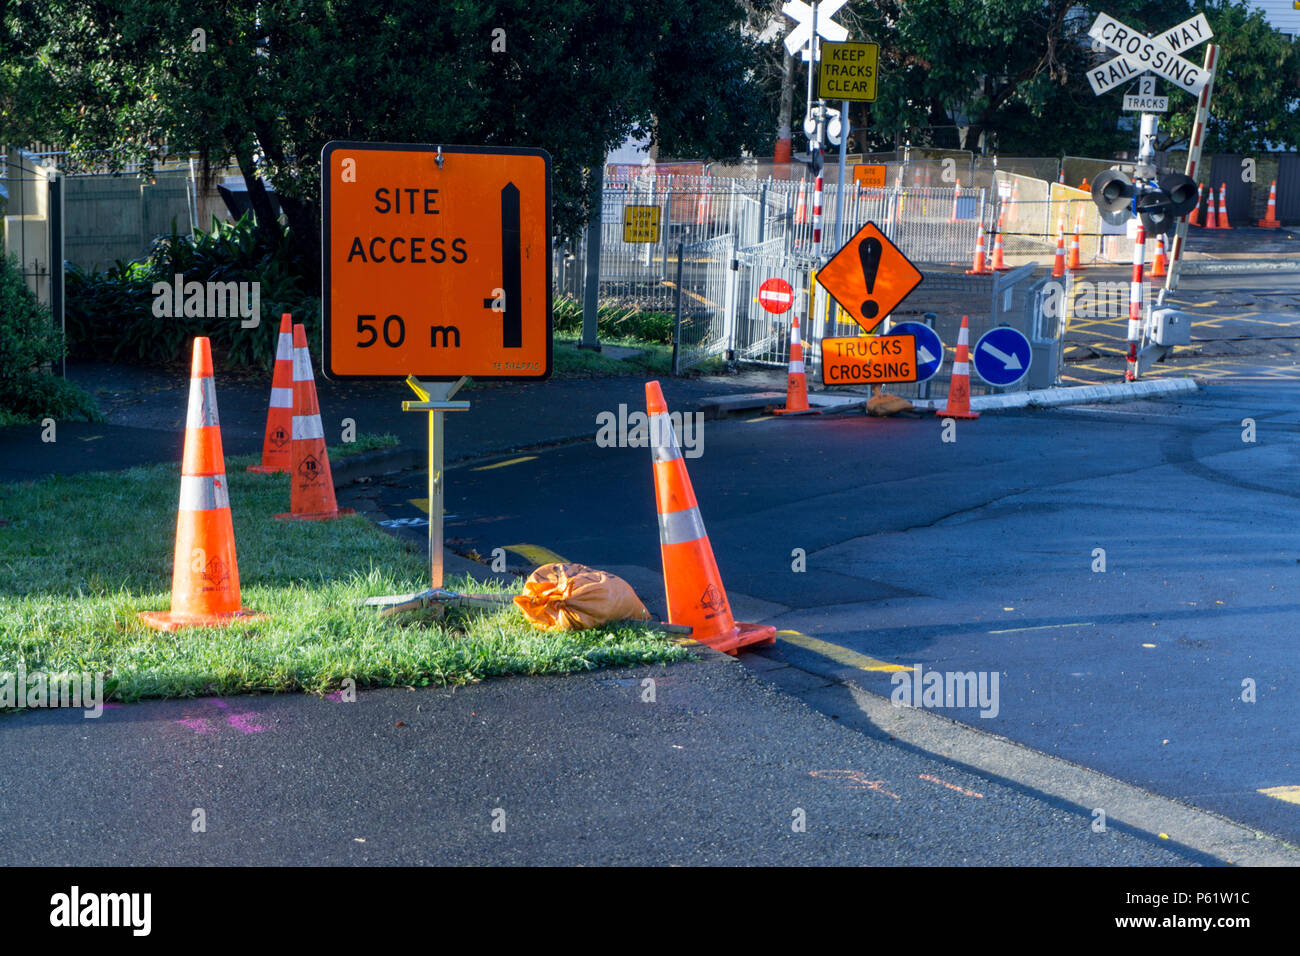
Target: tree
(273, 81)
(1017, 70)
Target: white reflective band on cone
(679, 527)
(663, 441)
(961, 368)
(202, 409)
(794, 336)
(302, 365)
(284, 348)
(796, 365)
(307, 426)
(282, 398)
(204, 492)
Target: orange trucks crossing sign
(436, 261)
(869, 360)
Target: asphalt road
(721, 768)
(978, 556)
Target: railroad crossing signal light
(1159, 204)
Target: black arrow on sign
(512, 320)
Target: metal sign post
(435, 398)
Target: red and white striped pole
(1135, 303)
(1195, 146)
(817, 216)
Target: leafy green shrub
(28, 344)
(110, 316)
(616, 322)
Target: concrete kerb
(1073, 395)
(1033, 398)
(1189, 267)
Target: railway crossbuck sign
(1140, 53)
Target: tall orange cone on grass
(205, 575)
(959, 383)
(1270, 220)
(276, 453)
(311, 486)
(796, 383)
(692, 584)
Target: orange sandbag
(883, 404)
(574, 597)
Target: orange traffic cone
(276, 456)
(1058, 263)
(1074, 263)
(998, 264)
(800, 206)
(980, 267)
(1223, 206)
(1194, 218)
(205, 575)
(1270, 220)
(1084, 184)
(692, 584)
(796, 384)
(1211, 217)
(959, 383)
(311, 488)
(1158, 267)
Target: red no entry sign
(776, 295)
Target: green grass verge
(80, 555)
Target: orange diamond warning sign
(869, 277)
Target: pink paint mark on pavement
(199, 725)
(244, 723)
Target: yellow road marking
(503, 464)
(841, 655)
(536, 554)
(1289, 794)
(760, 418)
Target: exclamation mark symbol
(869, 252)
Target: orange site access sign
(436, 261)
(869, 277)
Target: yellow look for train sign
(848, 71)
(436, 261)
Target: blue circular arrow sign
(929, 348)
(1002, 356)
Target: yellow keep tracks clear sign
(848, 71)
(640, 223)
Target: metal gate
(32, 195)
